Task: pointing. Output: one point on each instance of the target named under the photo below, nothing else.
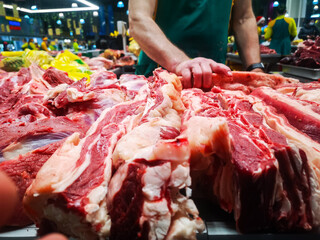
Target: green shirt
(197, 27)
(281, 30)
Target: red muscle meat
(72, 194)
(252, 168)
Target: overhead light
(286, 15)
(275, 4)
(82, 21)
(315, 16)
(26, 16)
(61, 15)
(315, 2)
(316, 7)
(95, 13)
(89, 7)
(59, 22)
(120, 4)
(34, 7)
(128, 12)
(71, 33)
(74, 5)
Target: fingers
(54, 236)
(197, 76)
(206, 75)
(220, 68)
(186, 78)
(197, 72)
(8, 198)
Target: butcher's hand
(197, 72)
(8, 201)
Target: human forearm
(247, 40)
(195, 72)
(245, 29)
(154, 43)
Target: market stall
(96, 151)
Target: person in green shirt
(281, 31)
(75, 45)
(25, 44)
(189, 38)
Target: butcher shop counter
(219, 226)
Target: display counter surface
(219, 226)
(303, 72)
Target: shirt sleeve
(293, 28)
(269, 31)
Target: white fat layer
(158, 216)
(76, 171)
(294, 104)
(154, 179)
(309, 95)
(74, 95)
(53, 93)
(184, 227)
(60, 166)
(180, 176)
(116, 182)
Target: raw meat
(251, 167)
(307, 55)
(71, 193)
(305, 116)
(266, 50)
(23, 171)
(131, 147)
(30, 123)
(248, 81)
(303, 91)
(56, 77)
(97, 63)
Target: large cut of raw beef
(120, 158)
(33, 123)
(268, 179)
(124, 174)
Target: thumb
(54, 236)
(8, 198)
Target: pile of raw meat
(307, 55)
(266, 50)
(110, 59)
(120, 158)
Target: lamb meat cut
(71, 193)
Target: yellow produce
(36, 57)
(134, 47)
(72, 64)
(12, 54)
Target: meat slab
(32, 127)
(76, 192)
(268, 181)
(120, 159)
